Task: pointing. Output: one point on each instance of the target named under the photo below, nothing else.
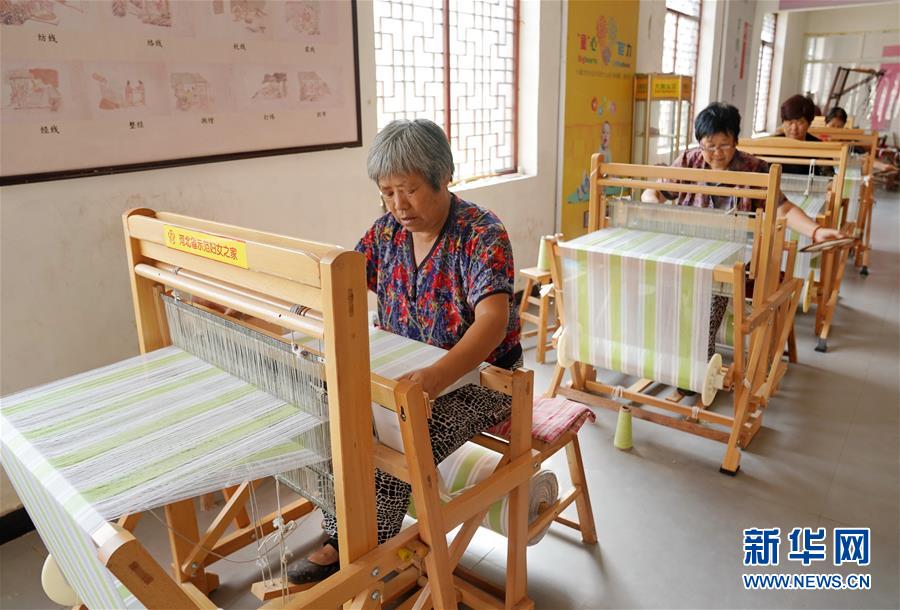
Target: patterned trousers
(716, 314)
(455, 418)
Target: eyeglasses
(714, 149)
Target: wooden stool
(555, 425)
(538, 277)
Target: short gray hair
(406, 147)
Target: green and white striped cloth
(853, 181)
(638, 302)
(471, 464)
(139, 434)
(809, 195)
(393, 356)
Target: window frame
(448, 85)
(771, 45)
(679, 15)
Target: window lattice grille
(457, 67)
(764, 72)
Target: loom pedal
(821, 345)
(271, 589)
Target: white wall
(871, 17)
(789, 44)
(66, 304)
(787, 75)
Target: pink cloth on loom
(551, 418)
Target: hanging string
(812, 175)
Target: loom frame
(757, 366)
(824, 291)
(869, 140)
(330, 284)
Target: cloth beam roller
(471, 464)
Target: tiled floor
(670, 526)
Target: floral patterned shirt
(435, 301)
(741, 162)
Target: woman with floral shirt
(442, 269)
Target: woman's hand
(824, 234)
(431, 378)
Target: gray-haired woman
(442, 269)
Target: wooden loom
(826, 290)
(868, 140)
(281, 274)
(759, 335)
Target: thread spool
(713, 380)
(622, 440)
(55, 584)
(543, 262)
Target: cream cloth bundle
(638, 302)
(471, 464)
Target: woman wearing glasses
(717, 128)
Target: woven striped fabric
(638, 302)
(138, 434)
(471, 464)
(853, 181)
(393, 356)
(812, 203)
(64, 520)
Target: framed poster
(102, 86)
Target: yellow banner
(601, 51)
(222, 249)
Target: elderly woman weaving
(442, 269)
(717, 128)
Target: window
(872, 104)
(455, 63)
(681, 38)
(764, 72)
(681, 44)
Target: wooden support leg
(555, 381)
(542, 328)
(583, 500)
(526, 293)
(130, 521)
(241, 519)
(184, 534)
(424, 480)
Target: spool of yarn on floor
(622, 440)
